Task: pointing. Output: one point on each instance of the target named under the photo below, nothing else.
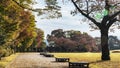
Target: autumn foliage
(71, 41)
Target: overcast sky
(67, 22)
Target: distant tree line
(70, 41)
(114, 42)
(75, 41)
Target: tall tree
(10, 20)
(39, 38)
(17, 25)
(108, 14)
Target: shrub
(5, 52)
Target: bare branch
(107, 5)
(87, 6)
(116, 4)
(114, 15)
(86, 15)
(118, 20)
(111, 22)
(90, 12)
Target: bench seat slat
(78, 65)
(62, 59)
(48, 55)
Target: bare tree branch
(90, 11)
(116, 4)
(118, 20)
(114, 15)
(86, 15)
(87, 6)
(107, 5)
(111, 22)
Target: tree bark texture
(104, 44)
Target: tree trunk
(104, 44)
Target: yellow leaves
(7, 60)
(15, 35)
(94, 66)
(5, 18)
(29, 43)
(3, 64)
(90, 57)
(17, 23)
(34, 34)
(10, 13)
(93, 58)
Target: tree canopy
(17, 25)
(98, 10)
(71, 41)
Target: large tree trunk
(104, 44)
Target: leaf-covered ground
(93, 58)
(6, 60)
(34, 60)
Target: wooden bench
(62, 59)
(48, 55)
(78, 65)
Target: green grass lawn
(6, 60)
(93, 58)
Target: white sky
(67, 22)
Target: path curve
(35, 60)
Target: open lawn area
(93, 58)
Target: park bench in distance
(42, 53)
(62, 59)
(48, 55)
(78, 65)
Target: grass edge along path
(7, 60)
(93, 59)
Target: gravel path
(34, 60)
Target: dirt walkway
(34, 60)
